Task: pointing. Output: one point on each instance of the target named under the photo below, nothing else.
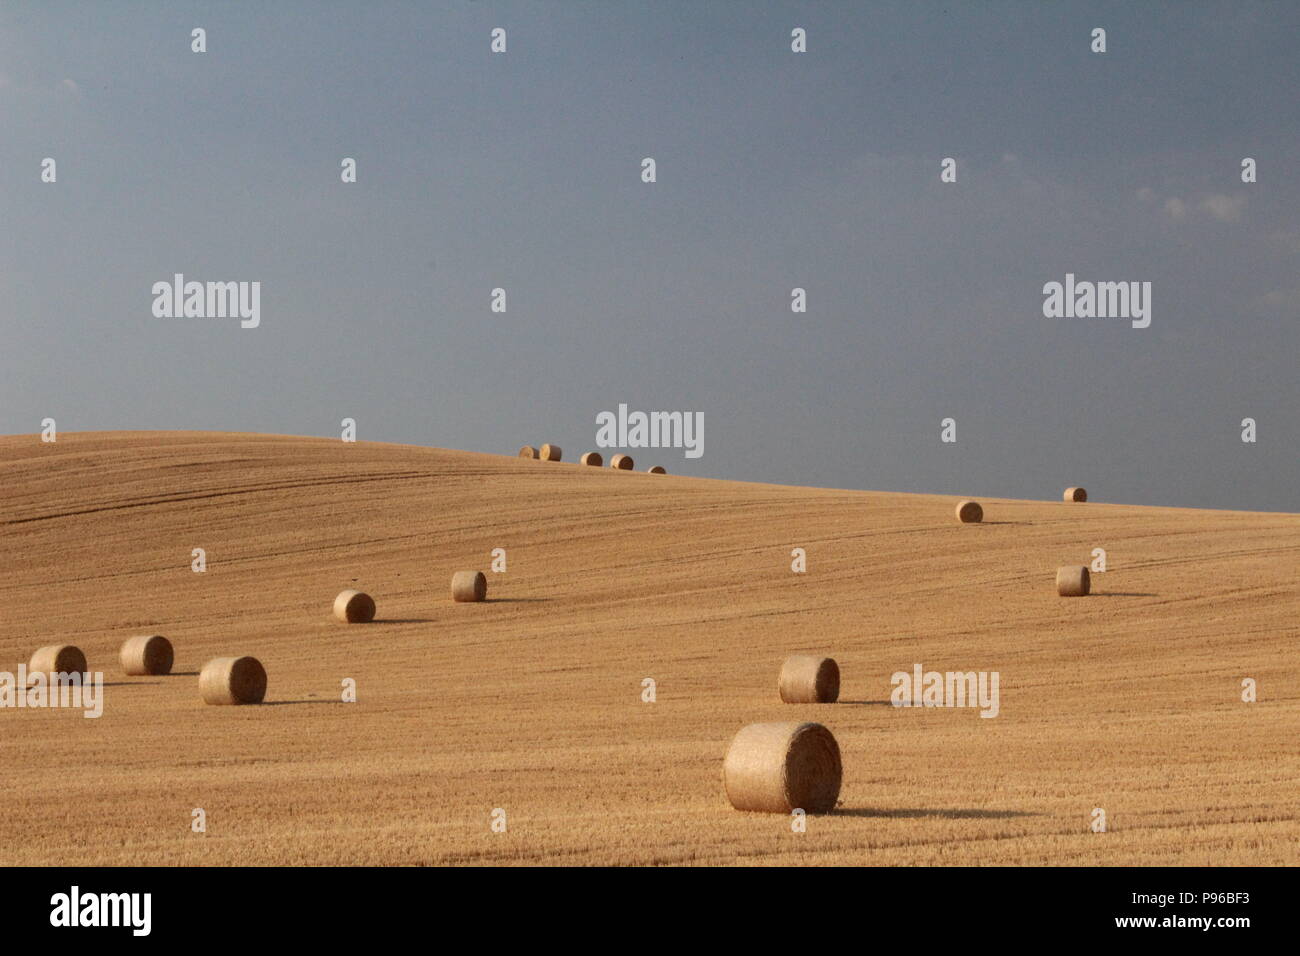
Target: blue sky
(775, 170)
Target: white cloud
(1215, 205)
(1224, 208)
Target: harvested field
(1129, 700)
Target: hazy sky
(818, 170)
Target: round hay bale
(57, 659)
(550, 453)
(468, 586)
(656, 470)
(528, 451)
(1075, 494)
(969, 512)
(354, 607)
(779, 767)
(1073, 580)
(809, 679)
(621, 462)
(147, 654)
(233, 680)
(592, 458)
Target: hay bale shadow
(914, 813)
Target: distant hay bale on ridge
(354, 607)
(779, 767)
(57, 659)
(1075, 494)
(528, 451)
(621, 462)
(592, 458)
(809, 679)
(1073, 580)
(146, 654)
(468, 586)
(970, 512)
(656, 470)
(233, 680)
(550, 453)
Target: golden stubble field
(1129, 700)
